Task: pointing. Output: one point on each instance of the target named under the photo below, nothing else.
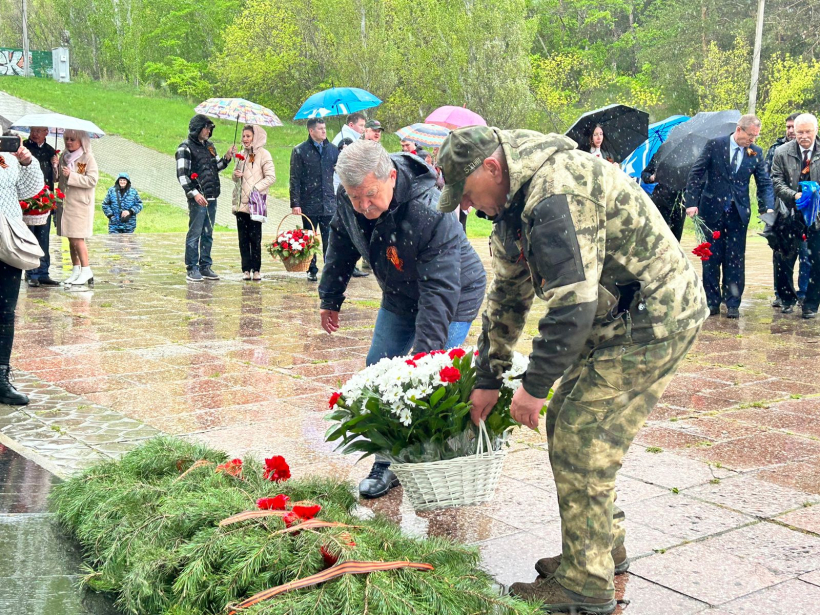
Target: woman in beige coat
(255, 172)
(75, 216)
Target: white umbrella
(57, 124)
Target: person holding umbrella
(718, 190)
(198, 173)
(75, 215)
(254, 171)
(47, 157)
(596, 144)
(668, 201)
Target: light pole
(26, 67)
(761, 8)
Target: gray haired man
(432, 280)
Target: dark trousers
(9, 291)
(41, 232)
(250, 241)
(812, 299)
(200, 235)
(322, 224)
(786, 263)
(675, 217)
(729, 259)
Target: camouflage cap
(374, 124)
(462, 152)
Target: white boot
(75, 273)
(86, 277)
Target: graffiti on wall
(11, 62)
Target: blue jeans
(200, 235)
(41, 232)
(394, 336)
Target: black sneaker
(807, 314)
(380, 480)
(777, 302)
(358, 273)
(312, 276)
(208, 273)
(732, 312)
(194, 275)
(787, 309)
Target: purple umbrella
(455, 117)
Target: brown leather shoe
(547, 566)
(555, 598)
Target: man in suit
(718, 190)
(796, 161)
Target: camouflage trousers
(595, 413)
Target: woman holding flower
(254, 171)
(75, 216)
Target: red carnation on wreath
(232, 467)
(276, 469)
(306, 510)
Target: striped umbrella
(240, 110)
(424, 134)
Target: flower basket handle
(312, 227)
(483, 441)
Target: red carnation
(306, 510)
(434, 352)
(280, 502)
(449, 374)
(420, 355)
(291, 519)
(476, 353)
(283, 245)
(457, 353)
(334, 399)
(240, 156)
(60, 194)
(716, 235)
(194, 175)
(232, 467)
(411, 363)
(276, 469)
(330, 559)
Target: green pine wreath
(149, 526)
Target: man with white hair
(431, 278)
(795, 162)
(718, 190)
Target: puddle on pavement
(40, 567)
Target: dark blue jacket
(117, 201)
(712, 185)
(421, 257)
(311, 178)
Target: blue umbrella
(336, 101)
(634, 164)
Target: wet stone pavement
(721, 488)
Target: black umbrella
(625, 128)
(686, 142)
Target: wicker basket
(36, 220)
(455, 482)
(292, 264)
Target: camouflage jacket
(585, 238)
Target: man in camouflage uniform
(624, 305)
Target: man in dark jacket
(432, 280)
(667, 200)
(311, 183)
(718, 190)
(198, 173)
(805, 267)
(47, 157)
(795, 162)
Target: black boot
(8, 394)
(380, 480)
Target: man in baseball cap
(373, 130)
(623, 306)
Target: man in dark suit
(312, 164)
(718, 190)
